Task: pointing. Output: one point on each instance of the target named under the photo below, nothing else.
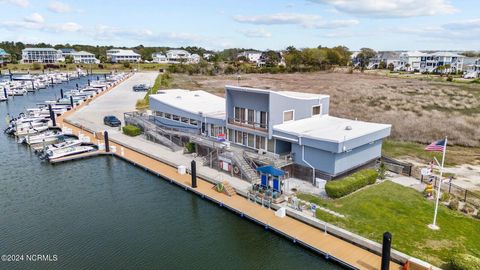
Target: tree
(68, 59)
(382, 65)
(391, 67)
(271, 58)
(365, 55)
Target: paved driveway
(117, 101)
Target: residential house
(66, 51)
(176, 57)
(4, 56)
(275, 123)
(83, 57)
(264, 59)
(251, 56)
(121, 55)
(388, 58)
(429, 62)
(159, 58)
(41, 55)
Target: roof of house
(40, 49)
(197, 101)
(82, 53)
(291, 94)
(447, 54)
(122, 52)
(67, 50)
(329, 128)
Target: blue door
(276, 184)
(264, 181)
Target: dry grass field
(419, 110)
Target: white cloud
(59, 7)
(279, 18)
(256, 33)
(391, 8)
(20, 3)
(34, 18)
(65, 27)
(305, 20)
(456, 30)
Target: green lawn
(405, 213)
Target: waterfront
(104, 213)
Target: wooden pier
(331, 247)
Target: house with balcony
(41, 55)
(121, 55)
(250, 56)
(274, 124)
(83, 57)
(4, 56)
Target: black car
(140, 87)
(111, 121)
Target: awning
(268, 169)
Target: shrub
(477, 216)
(37, 66)
(467, 209)
(449, 79)
(464, 262)
(190, 147)
(131, 130)
(453, 204)
(445, 197)
(351, 183)
(126, 64)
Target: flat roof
(196, 101)
(291, 94)
(329, 128)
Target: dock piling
(52, 115)
(71, 101)
(61, 93)
(76, 85)
(88, 82)
(386, 247)
(107, 145)
(193, 170)
(5, 93)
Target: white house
(452, 61)
(429, 62)
(41, 55)
(84, 58)
(251, 56)
(389, 58)
(175, 57)
(121, 55)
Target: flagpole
(434, 226)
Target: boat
(69, 151)
(47, 137)
(42, 150)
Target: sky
(259, 24)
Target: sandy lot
(420, 110)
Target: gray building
(276, 123)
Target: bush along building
(252, 127)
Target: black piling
(67, 78)
(5, 93)
(105, 76)
(10, 75)
(88, 82)
(107, 145)
(193, 171)
(61, 93)
(51, 80)
(71, 101)
(33, 85)
(76, 85)
(98, 78)
(52, 115)
(386, 247)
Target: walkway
(290, 227)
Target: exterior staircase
(228, 189)
(245, 168)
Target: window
(238, 137)
(260, 142)
(271, 145)
(251, 140)
(193, 122)
(237, 114)
(288, 115)
(176, 117)
(168, 116)
(160, 114)
(185, 120)
(316, 110)
(251, 117)
(230, 135)
(263, 120)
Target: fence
(463, 194)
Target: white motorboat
(69, 151)
(48, 137)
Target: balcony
(262, 127)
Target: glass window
(168, 116)
(251, 117)
(193, 122)
(271, 146)
(263, 119)
(288, 116)
(251, 140)
(230, 135)
(316, 110)
(185, 120)
(238, 137)
(260, 142)
(176, 117)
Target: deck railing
(263, 127)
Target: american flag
(436, 146)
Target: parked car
(141, 87)
(112, 121)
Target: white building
(41, 55)
(429, 62)
(84, 58)
(121, 55)
(251, 56)
(176, 57)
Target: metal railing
(263, 127)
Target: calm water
(103, 213)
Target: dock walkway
(332, 247)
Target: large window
(263, 119)
(260, 142)
(176, 117)
(288, 115)
(251, 140)
(316, 110)
(168, 116)
(251, 117)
